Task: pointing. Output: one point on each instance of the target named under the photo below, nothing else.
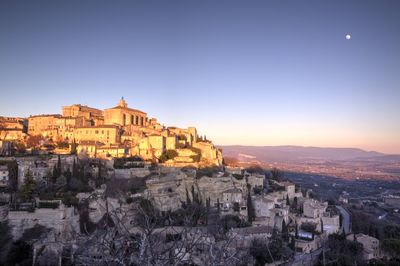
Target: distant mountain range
(300, 153)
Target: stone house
(370, 245)
(313, 208)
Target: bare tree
(144, 236)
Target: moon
(348, 36)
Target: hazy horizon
(244, 73)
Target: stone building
(44, 125)
(119, 128)
(122, 115)
(313, 208)
(107, 134)
(370, 245)
(12, 128)
(331, 223)
(77, 110)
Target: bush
(129, 162)
(168, 155)
(392, 246)
(255, 169)
(232, 221)
(238, 176)
(207, 171)
(196, 158)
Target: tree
(260, 252)
(74, 148)
(13, 175)
(285, 231)
(168, 155)
(29, 186)
(59, 163)
(294, 203)
(264, 252)
(250, 208)
(19, 254)
(276, 174)
(392, 247)
(322, 226)
(5, 241)
(68, 176)
(74, 169)
(292, 243)
(56, 174)
(34, 141)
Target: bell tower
(122, 103)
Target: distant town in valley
(94, 187)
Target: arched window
(141, 121)
(137, 120)
(123, 119)
(132, 119)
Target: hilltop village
(113, 187)
(119, 131)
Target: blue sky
(243, 72)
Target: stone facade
(370, 245)
(117, 132)
(45, 125)
(122, 115)
(106, 134)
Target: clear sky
(243, 72)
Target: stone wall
(63, 220)
(131, 173)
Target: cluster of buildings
(119, 131)
(277, 205)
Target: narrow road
(346, 219)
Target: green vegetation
(276, 174)
(238, 176)
(342, 251)
(128, 162)
(267, 252)
(74, 148)
(392, 247)
(207, 171)
(230, 221)
(251, 215)
(28, 188)
(168, 155)
(255, 169)
(5, 241)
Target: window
(141, 121)
(132, 119)
(97, 132)
(137, 120)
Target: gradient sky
(243, 72)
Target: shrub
(238, 176)
(168, 155)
